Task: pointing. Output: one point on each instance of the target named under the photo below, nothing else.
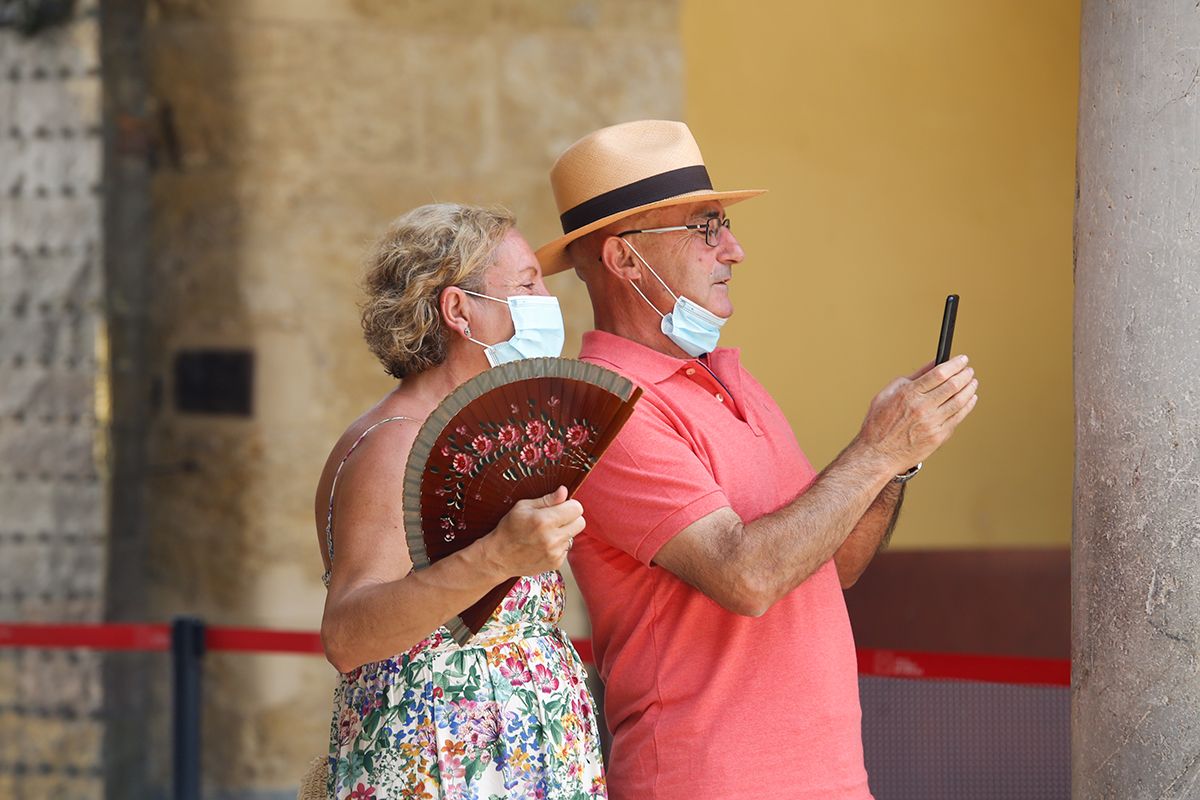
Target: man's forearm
(787, 546)
(870, 535)
(747, 566)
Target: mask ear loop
(655, 274)
(484, 296)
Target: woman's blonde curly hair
(423, 252)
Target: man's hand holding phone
(912, 417)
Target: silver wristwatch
(905, 477)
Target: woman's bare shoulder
(379, 456)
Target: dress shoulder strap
(333, 488)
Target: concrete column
(1136, 560)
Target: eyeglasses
(711, 228)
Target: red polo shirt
(704, 703)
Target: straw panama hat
(623, 170)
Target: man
(714, 568)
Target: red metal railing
(188, 639)
(877, 663)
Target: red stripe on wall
(963, 667)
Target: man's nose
(729, 249)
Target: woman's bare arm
(376, 606)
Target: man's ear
(453, 303)
(619, 260)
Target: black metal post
(187, 654)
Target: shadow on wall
(288, 138)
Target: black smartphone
(946, 339)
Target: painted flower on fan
(536, 430)
(531, 454)
(462, 463)
(553, 401)
(363, 792)
(508, 435)
(482, 444)
(577, 435)
(553, 449)
(446, 522)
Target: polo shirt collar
(637, 359)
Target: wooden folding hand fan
(515, 432)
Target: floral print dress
(507, 715)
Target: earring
(467, 331)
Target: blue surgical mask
(689, 325)
(538, 329)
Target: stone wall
(52, 401)
(289, 135)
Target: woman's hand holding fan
(519, 433)
(535, 535)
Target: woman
(416, 715)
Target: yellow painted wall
(912, 150)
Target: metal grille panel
(956, 740)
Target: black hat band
(639, 193)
